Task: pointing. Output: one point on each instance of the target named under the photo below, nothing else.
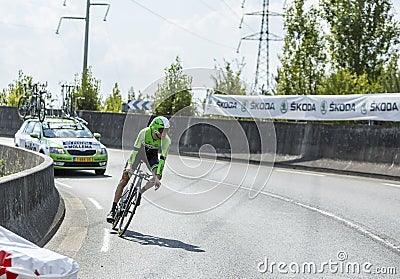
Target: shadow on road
(77, 174)
(159, 241)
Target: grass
(2, 165)
(18, 168)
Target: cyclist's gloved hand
(157, 182)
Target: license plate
(79, 159)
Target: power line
(23, 26)
(179, 26)
(208, 6)
(238, 16)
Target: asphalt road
(201, 223)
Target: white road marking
(300, 172)
(63, 184)
(392, 185)
(201, 160)
(120, 150)
(357, 227)
(97, 179)
(106, 240)
(190, 158)
(96, 204)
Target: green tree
(3, 97)
(174, 95)
(390, 77)
(139, 96)
(363, 35)
(113, 102)
(344, 82)
(227, 81)
(88, 88)
(131, 93)
(15, 90)
(303, 59)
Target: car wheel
(100, 172)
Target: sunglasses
(161, 132)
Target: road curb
(58, 219)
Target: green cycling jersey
(145, 139)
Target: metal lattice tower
(261, 82)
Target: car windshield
(61, 130)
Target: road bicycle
(66, 92)
(127, 204)
(32, 104)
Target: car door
(25, 138)
(35, 142)
(17, 136)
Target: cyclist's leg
(126, 175)
(152, 163)
(118, 193)
(121, 184)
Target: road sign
(139, 105)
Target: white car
(67, 141)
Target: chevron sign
(139, 105)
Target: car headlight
(56, 150)
(102, 151)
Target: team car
(67, 141)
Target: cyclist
(148, 142)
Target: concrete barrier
(30, 204)
(9, 121)
(343, 148)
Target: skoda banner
(382, 107)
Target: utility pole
(264, 37)
(87, 21)
(85, 52)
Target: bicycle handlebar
(142, 174)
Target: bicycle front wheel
(117, 217)
(120, 207)
(23, 106)
(127, 215)
(41, 110)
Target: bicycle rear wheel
(127, 215)
(23, 106)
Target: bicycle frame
(128, 202)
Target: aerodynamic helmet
(159, 124)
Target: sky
(134, 45)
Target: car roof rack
(75, 118)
